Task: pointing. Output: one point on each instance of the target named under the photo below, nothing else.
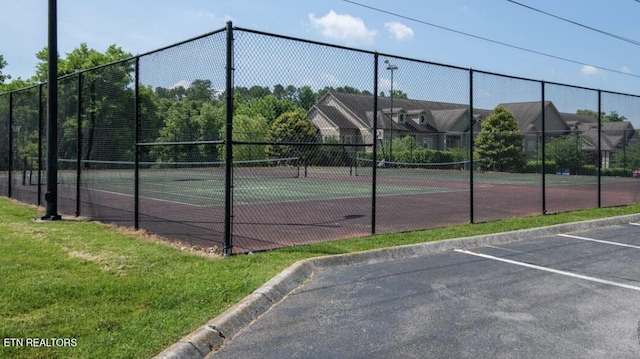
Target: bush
(616, 172)
(421, 156)
(330, 155)
(535, 166)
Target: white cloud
(344, 28)
(399, 31)
(590, 70)
(626, 70)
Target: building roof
(335, 116)
(351, 111)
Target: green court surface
(206, 187)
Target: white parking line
(551, 270)
(600, 241)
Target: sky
(411, 29)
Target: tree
(500, 143)
(306, 97)
(566, 152)
(267, 106)
(3, 77)
(292, 126)
(396, 94)
(81, 58)
(247, 129)
(613, 116)
(628, 158)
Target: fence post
(136, 148)
(51, 197)
(375, 144)
(79, 144)
(599, 148)
(10, 144)
(228, 196)
(471, 144)
(543, 154)
(40, 130)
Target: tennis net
(96, 171)
(364, 167)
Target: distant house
(435, 125)
(614, 136)
(528, 115)
(348, 118)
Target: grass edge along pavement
(206, 340)
(122, 296)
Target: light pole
(391, 67)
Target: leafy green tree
(628, 158)
(15, 84)
(3, 77)
(500, 143)
(80, 58)
(292, 127)
(613, 116)
(268, 106)
(201, 90)
(306, 97)
(396, 94)
(186, 114)
(566, 152)
(248, 129)
(342, 89)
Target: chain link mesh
(620, 143)
(182, 112)
(315, 155)
(5, 148)
(508, 182)
(24, 126)
(572, 149)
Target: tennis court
(280, 202)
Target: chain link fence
(240, 140)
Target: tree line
(183, 115)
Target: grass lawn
(119, 295)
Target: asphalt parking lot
(568, 295)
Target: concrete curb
(207, 339)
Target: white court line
(600, 241)
(551, 270)
(634, 224)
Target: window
(422, 119)
(401, 117)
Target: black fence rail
(247, 141)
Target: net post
(228, 214)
